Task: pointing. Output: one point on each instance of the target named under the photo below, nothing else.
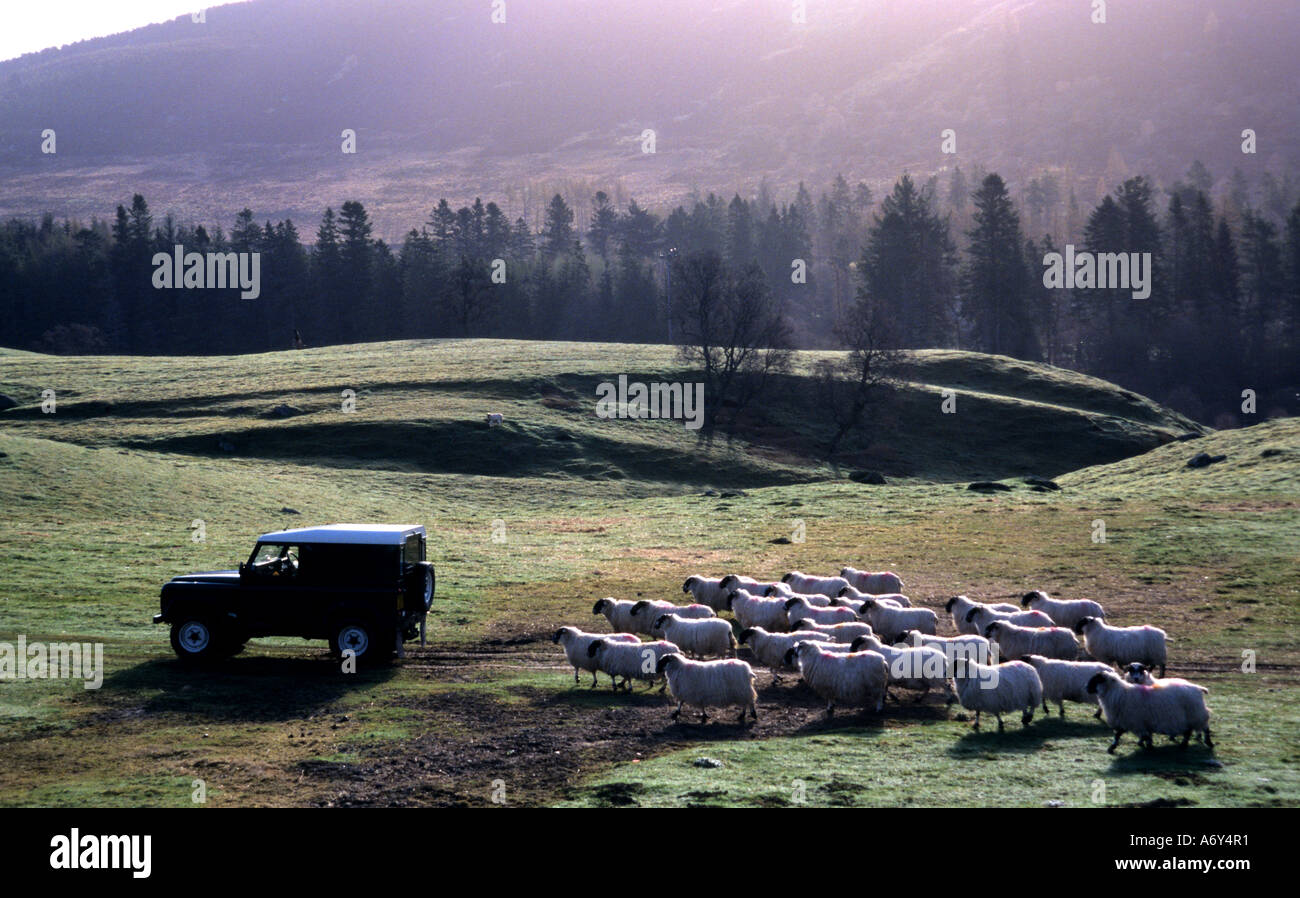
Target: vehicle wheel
(421, 584)
(196, 642)
(366, 641)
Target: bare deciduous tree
(728, 325)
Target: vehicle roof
(363, 534)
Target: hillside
(420, 407)
(446, 103)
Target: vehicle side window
(413, 551)
(349, 565)
(275, 561)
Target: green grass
(97, 500)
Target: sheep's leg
(741, 721)
(1208, 743)
(1097, 715)
(593, 679)
(924, 692)
(753, 710)
(678, 713)
(977, 720)
(1027, 716)
(1187, 737)
(704, 715)
(1001, 726)
(830, 709)
(1162, 671)
(1062, 705)
(1118, 733)
(576, 681)
(1047, 710)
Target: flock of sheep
(854, 636)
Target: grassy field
(98, 503)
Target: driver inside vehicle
(276, 561)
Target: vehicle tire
(369, 642)
(195, 641)
(421, 581)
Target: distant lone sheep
(494, 419)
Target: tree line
(920, 268)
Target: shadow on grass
(1167, 760)
(251, 689)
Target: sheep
(1063, 612)
(1123, 645)
(856, 595)
(1015, 642)
(997, 689)
(755, 611)
(827, 586)
(972, 646)
(770, 648)
(959, 607)
(1141, 675)
(888, 621)
(733, 582)
(709, 684)
(911, 668)
(856, 679)
(1168, 707)
(785, 592)
(696, 637)
(798, 609)
(874, 582)
(1066, 681)
(981, 617)
(707, 591)
(494, 419)
(618, 612)
(575, 644)
(629, 661)
(844, 632)
(645, 611)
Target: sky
(26, 26)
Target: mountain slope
(248, 107)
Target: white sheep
(755, 611)
(494, 419)
(629, 661)
(1015, 642)
(618, 612)
(889, 620)
(855, 680)
(827, 586)
(1141, 675)
(1063, 612)
(919, 667)
(960, 606)
(1066, 681)
(576, 643)
(873, 582)
(710, 684)
(1170, 707)
(645, 611)
(707, 591)
(770, 648)
(997, 689)
(798, 608)
(783, 591)
(969, 645)
(733, 582)
(858, 595)
(844, 632)
(701, 638)
(981, 617)
(1123, 645)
